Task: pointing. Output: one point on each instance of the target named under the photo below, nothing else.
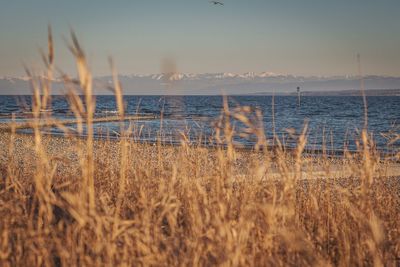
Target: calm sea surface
(334, 121)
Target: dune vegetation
(81, 201)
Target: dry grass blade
(50, 46)
(117, 90)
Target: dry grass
(72, 201)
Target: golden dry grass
(85, 202)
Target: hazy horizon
(311, 38)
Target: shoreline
(46, 122)
(43, 123)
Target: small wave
(109, 112)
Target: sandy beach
(63, 150)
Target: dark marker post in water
(298, 96)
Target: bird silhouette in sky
(217, 3)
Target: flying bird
(217, 3)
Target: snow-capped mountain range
(214, 83)
(224, 75)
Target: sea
(333, 122)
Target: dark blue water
(333, 121)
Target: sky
(307, 37)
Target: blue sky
(307, 37)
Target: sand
(65, 153)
